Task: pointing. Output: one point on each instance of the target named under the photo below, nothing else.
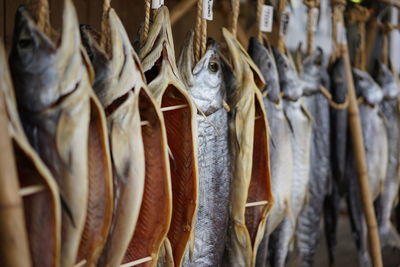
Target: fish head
(264, 59)
(98, 57)
(385, 78)
(311, 71)
(32, 61)
(289, 82)
(208, 90)
(367, 87)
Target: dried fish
(301, 127)
(158, 61)
(389, 106)
(66, 126)
(42, 206)
(251, 197)
(205, 83)
(376, 152)
(281, 160)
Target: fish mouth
(212, 44)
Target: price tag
(284, 23)
(156, 3)
(208, 9)
(267, 15)
(314, 19)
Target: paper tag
(284, 23)
(314, 19)
(156, 3)
(267, 15)
(208, 9)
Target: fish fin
(208, 121)
(289, 122)
(67, 210)
(171, 156)
(307, 113)
(289, 212)
(390, 238)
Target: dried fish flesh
(118, 82)
(281, 160)
(251, 196)
(65, 125)
(43, 206)
(205, 84)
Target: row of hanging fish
(133, 159)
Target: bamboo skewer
(255, 204)
(14, 248)
(30, 190)
(173, 107)
(136, 262)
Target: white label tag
(267, 15)
(314, 19)
(208, 9)
(156, 3)
(284, 23)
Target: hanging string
(260, 4)
(235, 16)
(203, 37)
(311, 4)
(281, 41)
(359, 14)
(198, 31)
(105, 28)
(386, 29)
(338, 7)
(146, 25)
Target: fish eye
(25, 43)
(213, 67)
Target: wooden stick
(281, 39)
(14, 248)
(136, 262)
(144, 123)
(81, 263)
(358, 145)
(173, 107)
(255, 204)
(30, 190)
(181, 9)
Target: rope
(338, 7)
(146, 25)
(198, 31)
(310, 32)
(281, 41)
(260, 4)
(203, 37)
(105, 29)
(44, 16)
(235, 16)
(386, 28)
(359, 14)
(333, 104)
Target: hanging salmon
(205, 84)
(158, 61)
(39, 190)
(66, 126)
(251, 197)
(139, 149)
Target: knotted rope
(360, 15)
(311, 4)
(260, 4)
(105, 26)
(198, 31)
(235, 16)
(146, 24)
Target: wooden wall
(131, 13)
